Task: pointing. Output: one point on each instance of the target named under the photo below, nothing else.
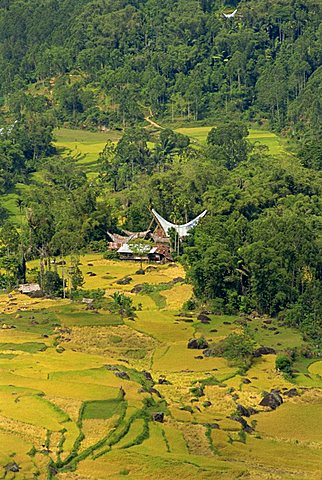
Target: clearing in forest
(275, 144)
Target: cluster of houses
(160, 250)
(157, 245)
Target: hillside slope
(112, 60)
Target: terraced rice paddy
(84, 146)
(79, 390)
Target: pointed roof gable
(183, 229)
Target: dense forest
(110, 64)
(107, 62)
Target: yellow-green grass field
(77, 399)
(85, 146)
(10, 203)
(276, 145)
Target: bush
(97, 295)
(111, 255)
(124, 472)
(190, 305)
(284, 364)
(197, 391)
(237, 348)
(121, 304)
(217, 306)
(6, 281)
(97, 246)
(115, 339)
(52, 284)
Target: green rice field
(83, 145)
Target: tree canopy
(149, 56)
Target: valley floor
(80, 390)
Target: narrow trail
(152, 122)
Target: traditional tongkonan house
(160, 240)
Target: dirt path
(152, 122)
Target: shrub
(190, 304)
(197, 391)
(52, 284)
(97, 295)
(124, 472)
(111, 255)
(284, 364)
(242, 436)
(235, 347)
(97, 246)
(122, 305)
(115, 339)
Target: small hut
(156, 254)
(31, 289)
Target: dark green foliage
(52, 284)
(311, 154)
(76, 275)
(122, 305)
(197, 391)
(235, 347)
(121, 163)
(14, 268)
(242, 436)
(32, 452)
(306, 314)
(171, 142)
(264, 62)
(13, 164)
(284, 364)
(111, 255)
(259, 246)
(208, 434)
(96, 294)
(229, 142)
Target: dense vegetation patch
(263, 62)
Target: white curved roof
(183, 229)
